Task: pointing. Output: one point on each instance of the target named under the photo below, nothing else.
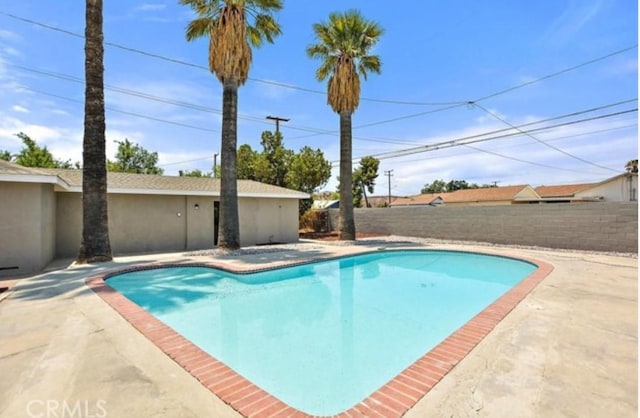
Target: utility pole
(215, 163)
(278, 120)
(388, 174)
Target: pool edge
(393, 399)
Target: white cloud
(19, 109)
(271, 91)
(627, 66)
(160, 94)
(12, 52)
(146, 7)
(575, 17)
(173, 162)
(63, 142)
(9, 36)
(609, 143)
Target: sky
(493, 92)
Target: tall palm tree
(95, 246)
(233, 27)
(344, 45)
(631, 166)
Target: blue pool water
(323, 336)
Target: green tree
(454, 185)
(247, 162)
(304, 171)
(437, 186)
(95, 245)
(5, 155)
(344, 44)
(132, 158)
(364, 179)
(308, 171)
(272, 164)
(194, 173)
(233, 27)
(440, 186)
(32, 155)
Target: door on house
(216, 222)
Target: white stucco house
(620, 188)
(41, 214)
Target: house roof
(562, 190)
(421, 199)
(492, 194)
(128, 183)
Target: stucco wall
(150, 223)
(618, 190)
(68, 224)
(138, 223)
(27, 229)
(199, 222)
(602, 226)
(264, 221)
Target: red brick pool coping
(393, 399)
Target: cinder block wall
(602, 226)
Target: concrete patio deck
(568, 349)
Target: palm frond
(344, 46)
(233, 26)
(199, 27)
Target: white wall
(620, 189)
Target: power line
(216, 111)
(418, 149)
(138, 115)
(188, 105)
(201, 67)
(557, 73)
(458, 141)
(542, 142)
(293, 87)
(450, 104)
(558, 138)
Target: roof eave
(35, 178)
(173, 192)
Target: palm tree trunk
(347, 226)
(229, 224)
(95, 245)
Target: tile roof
(153, 184)
(421, 199)
(491, 194)
(483, 195)
(562, 190)
(9, 168)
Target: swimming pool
(323, 336)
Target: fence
(601, 226)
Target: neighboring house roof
(491, 194)
(128, 183)
(595, 190)
(520, 193)
(562, 190)
(612, 179)
(419, 200)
